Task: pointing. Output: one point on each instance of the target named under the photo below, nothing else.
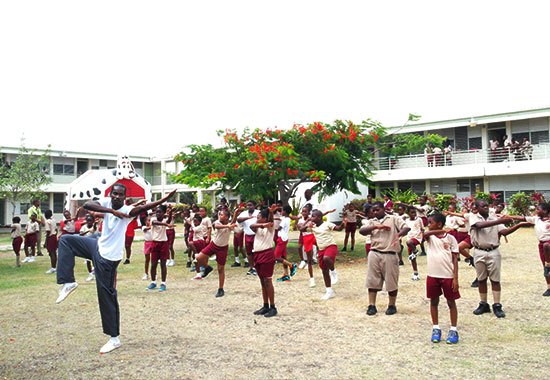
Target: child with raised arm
(282, 241)
(16, 239)
(442, 250)
(31, 236)
(485, 233)
(238, 241)
(218, 247)
(171, 235)
(264, 259)
(383, 266)
(247, 220)
(200, 232)
(414, 238)
(147, 243)
(88, 229)
(306, 243)
(51, 240)
(159, 247)
(328, 250)
(68, 224)
(350, 214)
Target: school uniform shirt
(86, 231)
(453, 222)
(51, 226)
(31, 227)
(542, 227)
(147, 234)
(364, 222)
(200, 232)
(239, 229)
(440, 251)
(285, 227)
(301, 223)
(351, 216)
(158, 232)
(323, 234)
(221, 236)
(111, 241)
(277, 222)
(247, 223)
(263, 239)
(484, 237)
(69, 226)
(381, 240)
(422, 211)
(416, 226)
(16, 230)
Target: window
(540, 137)
(138, 165)
(63, 169)
(474, 142)
(45, 204)
(24, 207)
(58, 202)
(68, 169)
(461, 137)
(103, 163)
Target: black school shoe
(271, 313)
(371, 310)
(246, 264)
(188, 265)
(497, 309)
(546, 293)
(482, 308)
(546, 271)
(261, 311)
(207, 271)
(475, 284)
(220, 293)
(235, 265)
(401, 262)
(127, 261)
(391, 310)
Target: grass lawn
(187, 333)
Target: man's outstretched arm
(141, 209)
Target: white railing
(464, 157)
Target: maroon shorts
(51, 244)
(264, 263)
(199, 245)
(220, 252)
(415, 242)
(330, 251)
(16, 244)
(147, 247)
(351, 227)
(171, 235)
(128, 241)
(30, 240)
(280, 249)
(461, 236)
(367, 248)
(309, 241)
(160, 250)
(468, 241)
(437, 286)
(249, 243)
(238, 240)
(541, 250)
(424, 221)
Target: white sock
(329, 289)
(246, 260)
(436, 327)
(453, 328)
(163, 283)
(334, 272)
(154, 282)
(238, 260)
(115, 340)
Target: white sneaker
(329, 294)
(302, 265)
(90, 277)
(109, 346)
(197, 277)
(65, 290)
(333, 277)
(212, 258)
(26, 259)
(312, 282)
(145, 277)
(50, 271)
(415, 277)
(169, 263)
(31, 259)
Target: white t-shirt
(285, 227)
(440, 252)
(416, 227)
(147, 234)
(113, 235)
(247, 223)
(51, 226)
(542, 227)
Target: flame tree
(264, 163)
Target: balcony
(478, 162)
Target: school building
(469, 168)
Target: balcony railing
(464, 157)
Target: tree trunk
(287, 190)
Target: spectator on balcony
(507, 148)
(493, 148)
(448, 153)
(428, 152)
(516, 150)
(526, 149)
(438, 156)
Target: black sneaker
(188, 265)
(220, 293)
(475, 284)
(252, 272)
(497, 309)
(391, 310)
(235, 265)
(261, 311)
(401, 262)
(127, 261)
(344, 249)
(546, 271)
(482, 308)
(371, 310)
(351, 249)
(246, 264)
(546, 293)
(271, 313)
(39, 254)
(207, 271)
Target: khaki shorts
(382, 267)
(487, 264)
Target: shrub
(519, 204)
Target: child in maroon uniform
(350, 213)
(31, 236)
(16, 239)
(264, 259)
(51, 240)
(414, 238)
(159, 247)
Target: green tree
(24, 178)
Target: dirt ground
(187, 333)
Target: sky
(147, 78)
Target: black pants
(105, 275)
